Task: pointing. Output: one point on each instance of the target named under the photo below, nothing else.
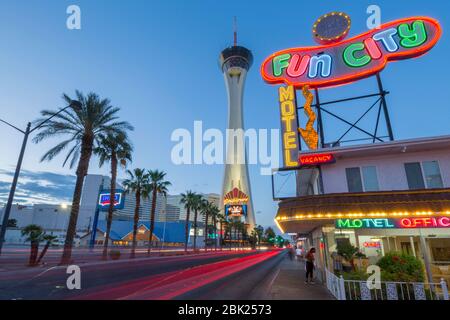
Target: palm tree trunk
(33, 253)
(152, 221)
(43, 252)
(112, 195)
(82, 170)
(220, 235)
(136, 221)
(195, 229)
(186, 228)
(215, 233)
(206, 231)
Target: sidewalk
(288, 284)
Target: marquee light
(332, 216)
(352, 59)
(316, 159)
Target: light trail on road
(169, 285)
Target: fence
(343, 289)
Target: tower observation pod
(235, 62)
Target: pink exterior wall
(390, 169)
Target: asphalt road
(251, 283)
(115, 279)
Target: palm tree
(188, 200)
(205, 209)
(229, 232)
(215, 211)
(232, 232)
(240, 233)
(137, 182)
(83, 127)
(157, 184)
(34, 234)
(198, 198)
(50, 239)
(222, 222)
(116, 149)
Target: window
(414, 175)
(432, 174)
(362, 179)
(370, 178)
(354, 181)
(415, 172)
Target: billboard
(352, 59)
(236, 210)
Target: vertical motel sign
(289, 129)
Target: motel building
(383, 197)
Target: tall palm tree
(215, 211)
(239, 230)
(157, 185)
(83, 128)
(222, 222)
(116, 149)
(229, 232)
(205, 209)
(198, 199)
(188, 200)
(259, 233)
(138, 183)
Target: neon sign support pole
(385, 109)
(319, 120)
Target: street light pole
(13, 187)
(75, 105)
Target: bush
(114, 254)
(397, 266)
(354, 275)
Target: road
(212, 275)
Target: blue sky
(157, 61)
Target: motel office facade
(383, 197)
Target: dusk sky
(158, 62)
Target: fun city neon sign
(403, 223)
(352, 59)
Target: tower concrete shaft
(235, 62)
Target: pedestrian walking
(291, 253)
(310, 266)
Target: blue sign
(104, 200)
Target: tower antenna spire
(235, 30)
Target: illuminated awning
(305, 213)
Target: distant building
(169, 233)
(53, 218)
(172, 212)
(175, 201)
(89, 201)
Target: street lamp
(76, 105)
